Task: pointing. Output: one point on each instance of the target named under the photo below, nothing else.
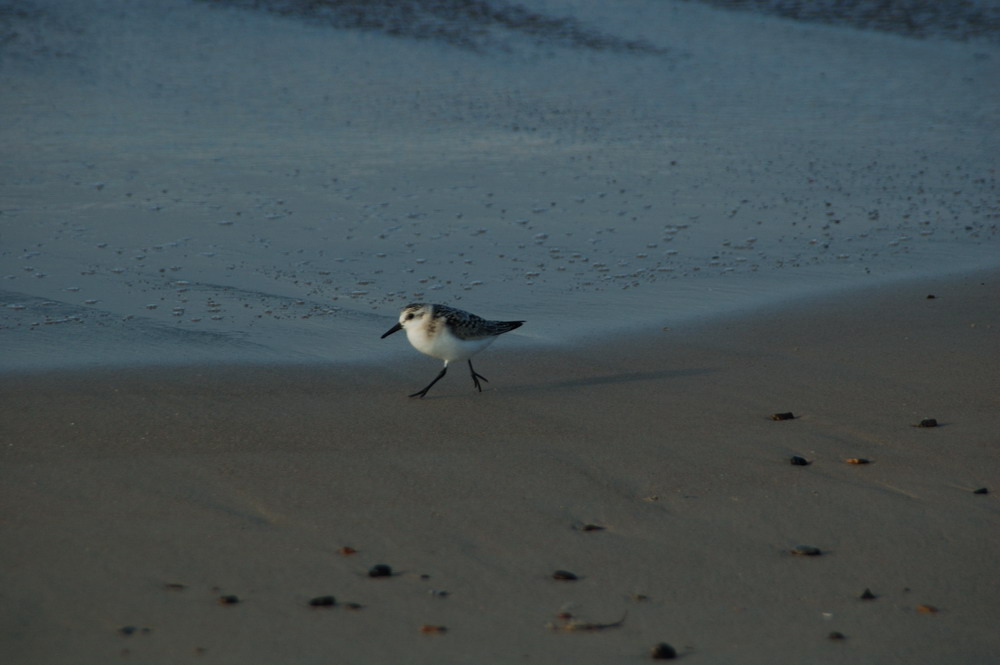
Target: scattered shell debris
(663, 651)
(380, 570)
(806, 550)
(132, 630)
(589, 527)
(323, 601)
(566, 624)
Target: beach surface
(648, 466)
(211, 210)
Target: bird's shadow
(614, 379)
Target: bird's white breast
(442, 344)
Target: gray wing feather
(465, 325)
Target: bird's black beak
(398, 326)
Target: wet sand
(136, 498)
(192, 182)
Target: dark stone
(663, 651)
(591, 527)
(806, 550)
(323, 601)
(380, 570)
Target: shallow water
(193, 182)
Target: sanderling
(449, 334)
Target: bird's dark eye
(409, 316)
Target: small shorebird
(449, 334)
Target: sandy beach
(211, 211)
(648, 467)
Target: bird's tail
(507, 326)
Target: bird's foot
(475, 380)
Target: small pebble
(323, 601)
(432, 630)
(806, 550)
(868, 595)
(564, 575)
(836, 635)
(663, 651)
(347, 551)
(229, 600)
(591, 527)
(981, 490)
(788, 415)
(928, 422)
(927, 609)
(380, 570)
(857, 460)
(127, 630)
(800, 461)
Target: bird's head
(411, 315)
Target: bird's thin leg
(476, 377)
(421, 393)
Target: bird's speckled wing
(465, 325)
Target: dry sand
(136, 498)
